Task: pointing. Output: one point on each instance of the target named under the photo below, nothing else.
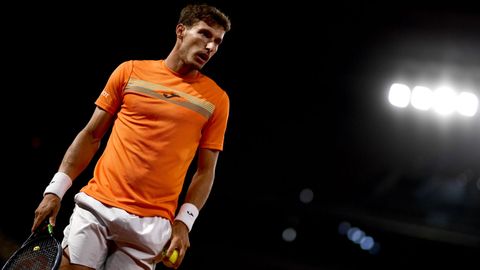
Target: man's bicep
(207, 158)
(99, 123)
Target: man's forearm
(200, 188)
(79, 154)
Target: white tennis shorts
(109, 238)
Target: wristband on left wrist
(187, 214)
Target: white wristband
(60, 183)
(187, 214)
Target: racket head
(41, 251)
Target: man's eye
(206, 34)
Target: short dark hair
(211, 15)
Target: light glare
(443, 100)
(422, 98)
(467, 104)
(399, 95)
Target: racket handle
(50, 228)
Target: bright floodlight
(467, 104)
(399, 95)
(422, 98)
(443, 100)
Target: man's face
(200, 42)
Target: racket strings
(40, 254)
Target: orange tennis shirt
(161, 120)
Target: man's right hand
(48, 207)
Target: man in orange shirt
(163, 112)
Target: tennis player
(162, 113)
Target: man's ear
(180, 30)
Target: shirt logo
(170, 95)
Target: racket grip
(50, 228)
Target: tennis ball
(36, 248)
(173, 258)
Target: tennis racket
(41, 251)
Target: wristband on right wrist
(60, 183)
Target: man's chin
(198, 66)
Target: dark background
(308, 85)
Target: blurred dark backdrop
(313, 148)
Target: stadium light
(399, 95)
(444, 100)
